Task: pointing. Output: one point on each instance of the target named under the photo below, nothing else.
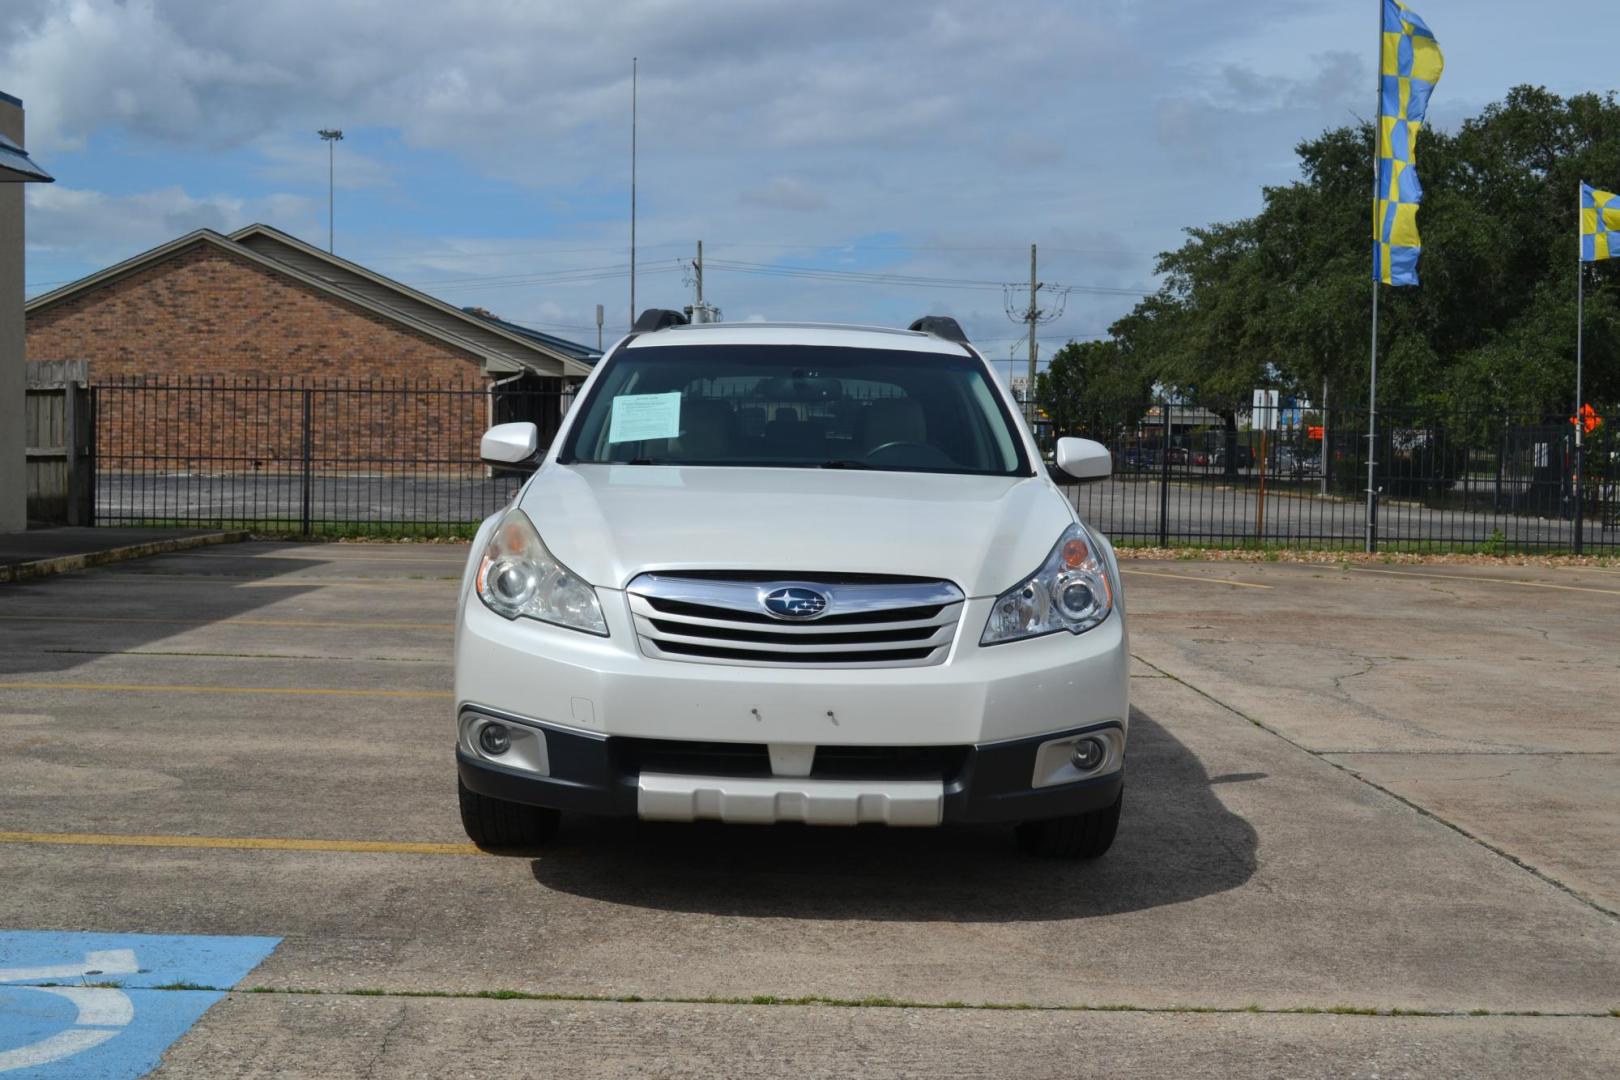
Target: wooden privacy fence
(59, 432)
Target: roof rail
(658, 319)
(940, 326)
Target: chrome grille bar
(901, 623)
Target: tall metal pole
(634, 75)
(1580, 344)
(1378, 273)
(698, 269)
(1372, 434)
(1327, 435)
(331, 136)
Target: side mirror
(1084, 459)
(509, 444)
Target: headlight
(518, 576)
(1069, 592)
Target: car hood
(609, 523)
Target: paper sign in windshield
(645, 416)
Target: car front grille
(868, 621)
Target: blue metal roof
(571, 349)
(15, 165)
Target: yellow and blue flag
(1411, 66)
(1600, 223)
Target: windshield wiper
(845, 463)
(643, 461)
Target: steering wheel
(876, 450)
(905, 453)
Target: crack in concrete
(1370, 662)
(388, 1036)
(1502, 853)
(1409, 727)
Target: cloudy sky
(486, 157)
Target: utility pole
(698, 311)
(598, 327)
(332, 137)
(634, 72)
(1033, 318)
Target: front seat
(708, 429)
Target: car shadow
(1177, 842)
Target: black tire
(496, 823)
(1082, 836)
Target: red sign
(1588, 420)
(1314, 432)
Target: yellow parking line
(297, 691)
(301, 624)
(246, 843)
(1192, 577)
(1487, 580)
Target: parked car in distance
(1139, 457)
(788, 573)
(1298, 462)
(1177, 455)
(1243, 457)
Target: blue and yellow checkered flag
(1411, 67)
(1600, 222)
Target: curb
(67, 563)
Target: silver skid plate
(668, 797)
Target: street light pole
(332, 136)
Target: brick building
(259, 307)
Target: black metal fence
(1444, 481)
(309, 457)
(374, 458)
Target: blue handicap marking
(106, 1006)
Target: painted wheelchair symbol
(102, 1011)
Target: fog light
(1088, 754)
(494, 739)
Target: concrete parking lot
(1369, 831)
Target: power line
(823, 245)
(876, 277)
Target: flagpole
(1580, 343)
(1372, 389)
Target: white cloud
(1098, 128)
(101, 229)
(304, 160)
(784, 193)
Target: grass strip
(824, 1001)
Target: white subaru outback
(792, 573)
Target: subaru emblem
(793, 602)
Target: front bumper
(606, 685)
(588, 773)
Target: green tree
(1093, 388)
(1284, 298)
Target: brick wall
(206, 315)
(204, 311)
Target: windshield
(796, 406)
